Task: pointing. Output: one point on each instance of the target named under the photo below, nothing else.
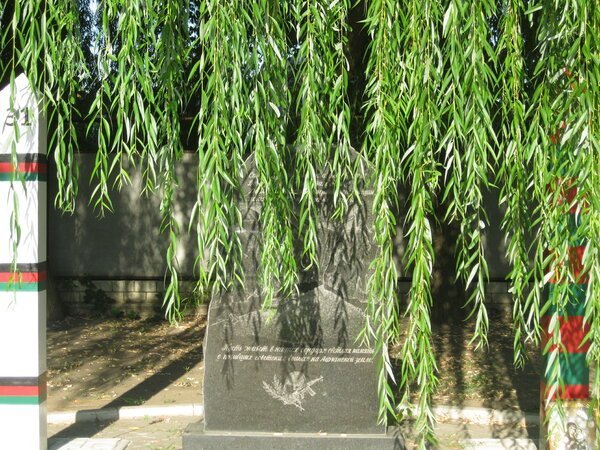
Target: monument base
(196, 438)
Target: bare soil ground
(105, 362)
(485, 377)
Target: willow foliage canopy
(445, 97)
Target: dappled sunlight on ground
(94, 363)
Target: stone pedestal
(195, 437)
(23, 170)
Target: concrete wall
(126, 246)
(123, 245)
(116, 263)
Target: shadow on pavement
(143, 391)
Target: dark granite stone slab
(297, 367)
(299, 371)
(346, 247)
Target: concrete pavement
(161, 428)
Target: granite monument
(296, 375)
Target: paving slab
(494, 435)
(88, 444)
(498, 444)
(149, 433)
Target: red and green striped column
(23, 271)
(576, 428)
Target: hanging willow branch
(513, 175)
(314, 78)
(222, 125)
(590, 99)
(449, 102)
(338, 108)
(423, 69)
(564, 122)
(65, 70)
(99, 109)
(469, 141)
(131, 119)
(171, 51)
(323, 134)
(382, 143)
(269, 98)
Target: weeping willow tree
(446, 97)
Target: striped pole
(576, 429)
(22, 273)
